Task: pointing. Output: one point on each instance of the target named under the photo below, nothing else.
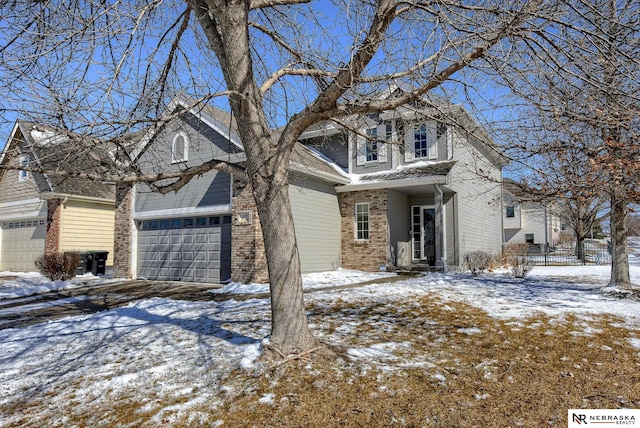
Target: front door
(423, 231)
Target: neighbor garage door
(185, 249)
(22, 243)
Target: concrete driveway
(91, 298)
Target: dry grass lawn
(446, 365)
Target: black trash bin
(98, 260)
(85, 264)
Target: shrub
(517, 259)
(477, 261)
(58, 265)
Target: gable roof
(428, 106)
(59, 150)
(303, 160)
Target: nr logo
(579, 419)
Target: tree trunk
(619, 260)
(290, 331)
(580, 248)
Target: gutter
(312, 172)
(46, 196)
(391, 184)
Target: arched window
(180, 148)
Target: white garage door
(22, 243)
(196, 249)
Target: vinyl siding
(478, 200)
(533, 221)
(335, 147)
(210, 189)
(87, 226)
(450, 229)
(316, 216)
(399, 217)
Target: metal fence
(596, 252)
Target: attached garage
(196, 249)
(22, 243)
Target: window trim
(362, 144)
(366, 223)
(185, 152)
(372, 146)
(511, 211)
(410, 150)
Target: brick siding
(122, 232)
(366, 255)
(248, 260)
(52, 239)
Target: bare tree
(566, 182)
(587, 88)
(283, 65)
(633, 225)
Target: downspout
(443, 255)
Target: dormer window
(24, 162)
(180, 148)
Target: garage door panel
(22, 242)
(200, 254)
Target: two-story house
(425, 186)
(413, 186)
(527, 221)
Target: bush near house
(58, 266)
(477, 261)
(517, 259)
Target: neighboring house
(47, 213)
(526, 221)
(425, 187)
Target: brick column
(123, 232)
(366, 255)
(54, 214)
(248, 260)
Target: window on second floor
(24, 162)
(370, 146)
(421, 141)
(511, 211)
(180, 148)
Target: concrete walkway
(91, 298)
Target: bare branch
(261, 4)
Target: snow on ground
(161, 350)
(27, 284)
(310, 281)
